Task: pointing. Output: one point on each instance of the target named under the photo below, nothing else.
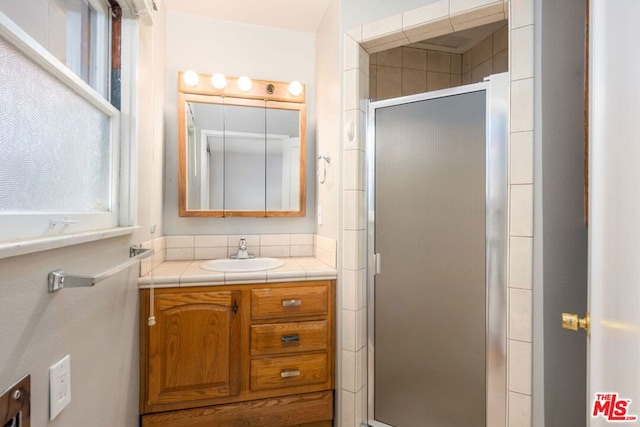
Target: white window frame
(35, 231)
(98, 72)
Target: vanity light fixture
(219, 81)
(190, 78)
(295, 88)
(244, 83)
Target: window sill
(24, 247)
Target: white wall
(151, 130)
(207, 45)
(97, 326)
(328, 80)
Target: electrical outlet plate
(59, 386)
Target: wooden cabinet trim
(298, 410)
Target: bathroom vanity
(223, 353)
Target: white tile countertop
(189, 273)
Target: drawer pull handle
(289, 374)
(291, 302)
(290, 338)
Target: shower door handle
(376, 263)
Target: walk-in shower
(437, 201)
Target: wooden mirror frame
(268, 93)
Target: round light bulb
(244, 83)
(295, 88)
(219, 81)
(190, 78)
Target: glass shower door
(429, 330)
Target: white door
(614, 214)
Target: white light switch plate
(59, 386)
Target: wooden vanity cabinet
(242, 355)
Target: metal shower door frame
(496, 88)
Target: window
(60, 145)
(87, 42)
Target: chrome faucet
(242, 250)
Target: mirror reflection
(241, 157)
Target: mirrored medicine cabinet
(241, 152)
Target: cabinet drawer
(289, 371)
(289, 302)
(281, 338)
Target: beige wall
(407, 70)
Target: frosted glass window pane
(55, 146)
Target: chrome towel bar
(59, 280)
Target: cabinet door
(194, 348)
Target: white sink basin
(228, 265)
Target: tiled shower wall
(407, 70)
(490, 56)
(438, 18)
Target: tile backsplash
(194, 247)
